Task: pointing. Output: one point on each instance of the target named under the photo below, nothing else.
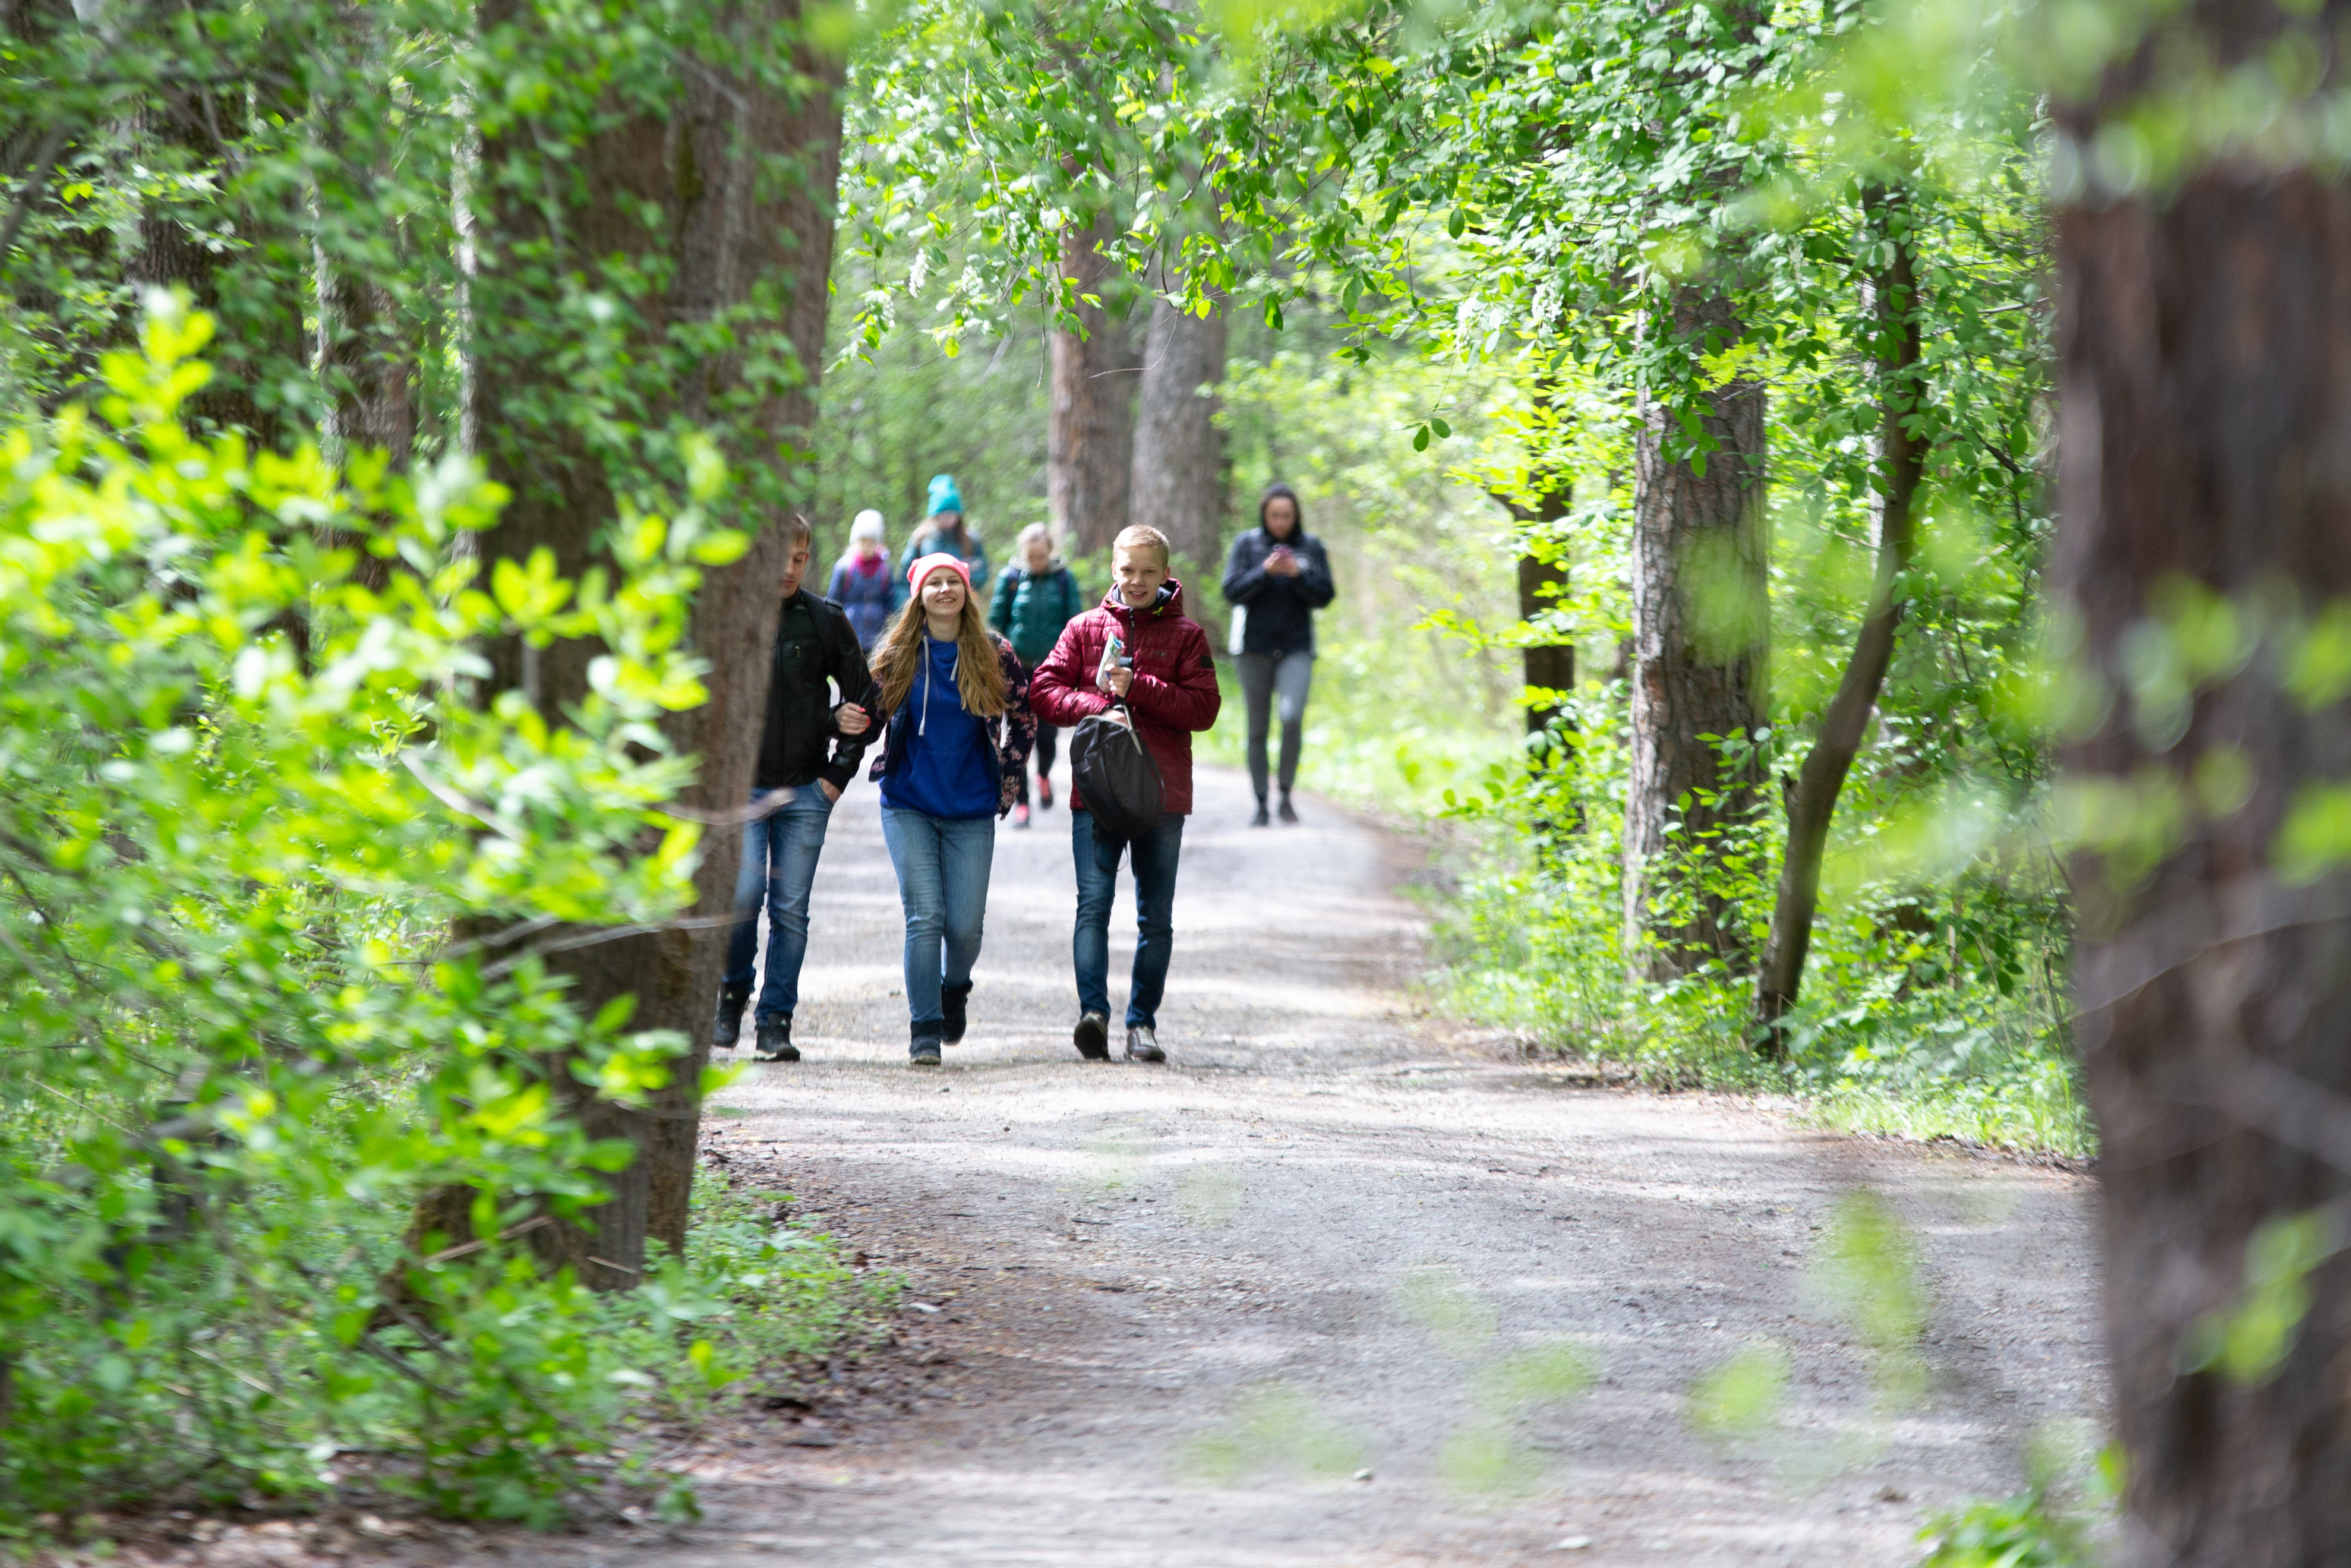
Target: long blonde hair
(979, 679)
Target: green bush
(248, 795)
(1933, 1006)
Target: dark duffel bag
(1118, 779)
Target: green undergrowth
(240, 1045)
(539, 1402)
(1933, 1007)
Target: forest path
(1179, 1309)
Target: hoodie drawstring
(923, 728)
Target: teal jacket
(1031, 610)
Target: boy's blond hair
(1142, 536)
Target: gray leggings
(1263, 678)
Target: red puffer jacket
(1175, 688)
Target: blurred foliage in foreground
(248, 796)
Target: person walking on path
(943, 532)
(960, 731)
(1276, 577)
(863, 584)
(1034, 600)
(808, 752)
(1160, 669)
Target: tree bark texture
(366, 357)
(2205, 395)
(1090, 429)
(189, 126)
(1902, 459)
(1701, 632)
(741, 176)
(1179, 453)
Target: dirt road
(1328, 1289)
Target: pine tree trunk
(2205, 389)
(1089, 432)
(1701, 637)
(1902, 460)
(1179, 453)
(728, 233)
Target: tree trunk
(1179, 453)
(188, 126)
(1089, 433)
(1902, 460)
(369, 368)
(2205, 388)
(1700, 633)
(743, 237)
(694, 191)
(1548, 666)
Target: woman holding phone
(958, 730)
(1276, 577)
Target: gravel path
(1337, 1286)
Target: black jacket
(799, 744)
(1278, 611)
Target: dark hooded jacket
(801, 742)
(1278, 612)
(1173, 693)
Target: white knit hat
(868, 525)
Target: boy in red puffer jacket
(1169, 685)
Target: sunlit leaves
(246, 799)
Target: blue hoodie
(949, 769)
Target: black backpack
(1115, 772)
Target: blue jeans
(943, 865)
(1153, 857)
(780, 850)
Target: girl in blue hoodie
(959, 735)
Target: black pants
(1040, 757)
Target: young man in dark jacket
(1164, 674)
(809, 751)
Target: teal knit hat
(943, 495)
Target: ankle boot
(728, 1028)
